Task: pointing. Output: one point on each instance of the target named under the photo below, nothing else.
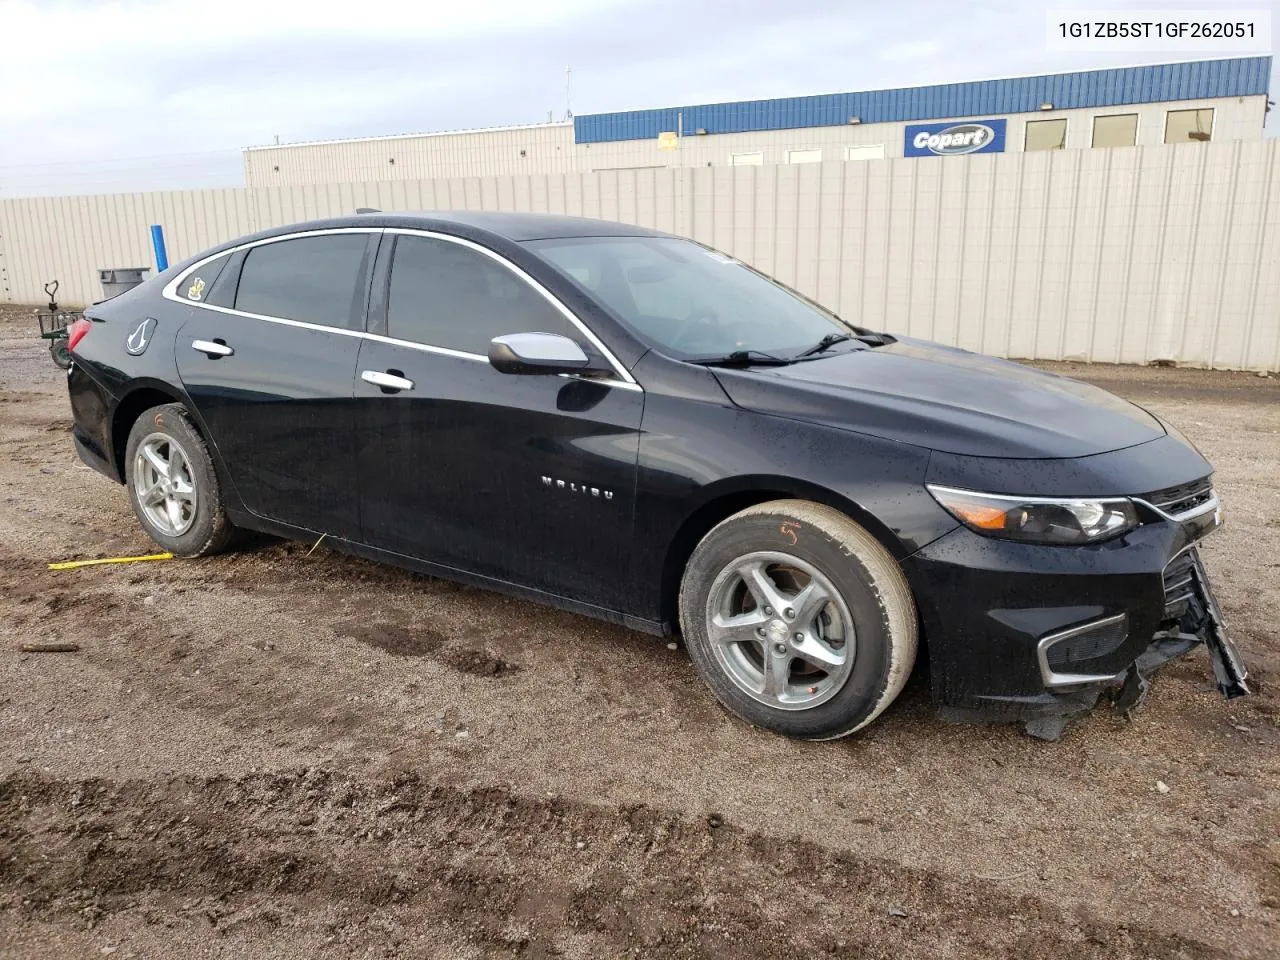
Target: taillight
(76, 332)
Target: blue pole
(157, 241)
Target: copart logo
(954, 139)
(962, 138)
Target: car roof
(476, 225)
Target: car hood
(946, 399)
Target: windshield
(689, 300)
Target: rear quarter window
(196, 285)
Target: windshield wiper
(826, 343)
(743, 358)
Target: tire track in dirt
(514, 876)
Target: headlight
(1038, 519)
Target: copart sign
(954, 139)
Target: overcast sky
(162, 94)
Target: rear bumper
(1022, 630)
(92, 407)
(93, 455)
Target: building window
(1046, 135)
(1182, 126)
(864, 151)
(804, 156)
(1117, 130)
(747, 160)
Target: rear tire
(798, 619)
(173, 486)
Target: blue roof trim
(1197, 80)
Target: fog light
(1066, 656)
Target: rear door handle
(391, 381)
(212, 348)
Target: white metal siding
(1122, 255)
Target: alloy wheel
(165, 484)
(780, 630)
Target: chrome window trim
(1052, 679)
(623, 374)
(170, 289)
(426, 348)
(624, 382)
(303, 325)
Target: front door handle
(392, 381)
(212, 348)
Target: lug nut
(799, 638)
(768, 611)
(760, 631)
(789, 613)
(780, 647)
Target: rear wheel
(798, 619)
(173, 486)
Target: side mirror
(537, 353)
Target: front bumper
(1029, 631)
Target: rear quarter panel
(105, 376)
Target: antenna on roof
(568, 111)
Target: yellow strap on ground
(73, 564)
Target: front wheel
(798, 619)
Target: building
(1145, 105)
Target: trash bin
(117, 280)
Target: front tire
(173, 486)
(798, 619)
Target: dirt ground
(283, 753)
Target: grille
(1179, 584)
(1090, 645)
(1184, 497)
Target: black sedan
(639, 428)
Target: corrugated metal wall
(1125, 255)
(1245, 76)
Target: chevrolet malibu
(639, 428)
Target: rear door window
(444, 294)
(310, 279)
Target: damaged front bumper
(1039, 635)
(1192, 617)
